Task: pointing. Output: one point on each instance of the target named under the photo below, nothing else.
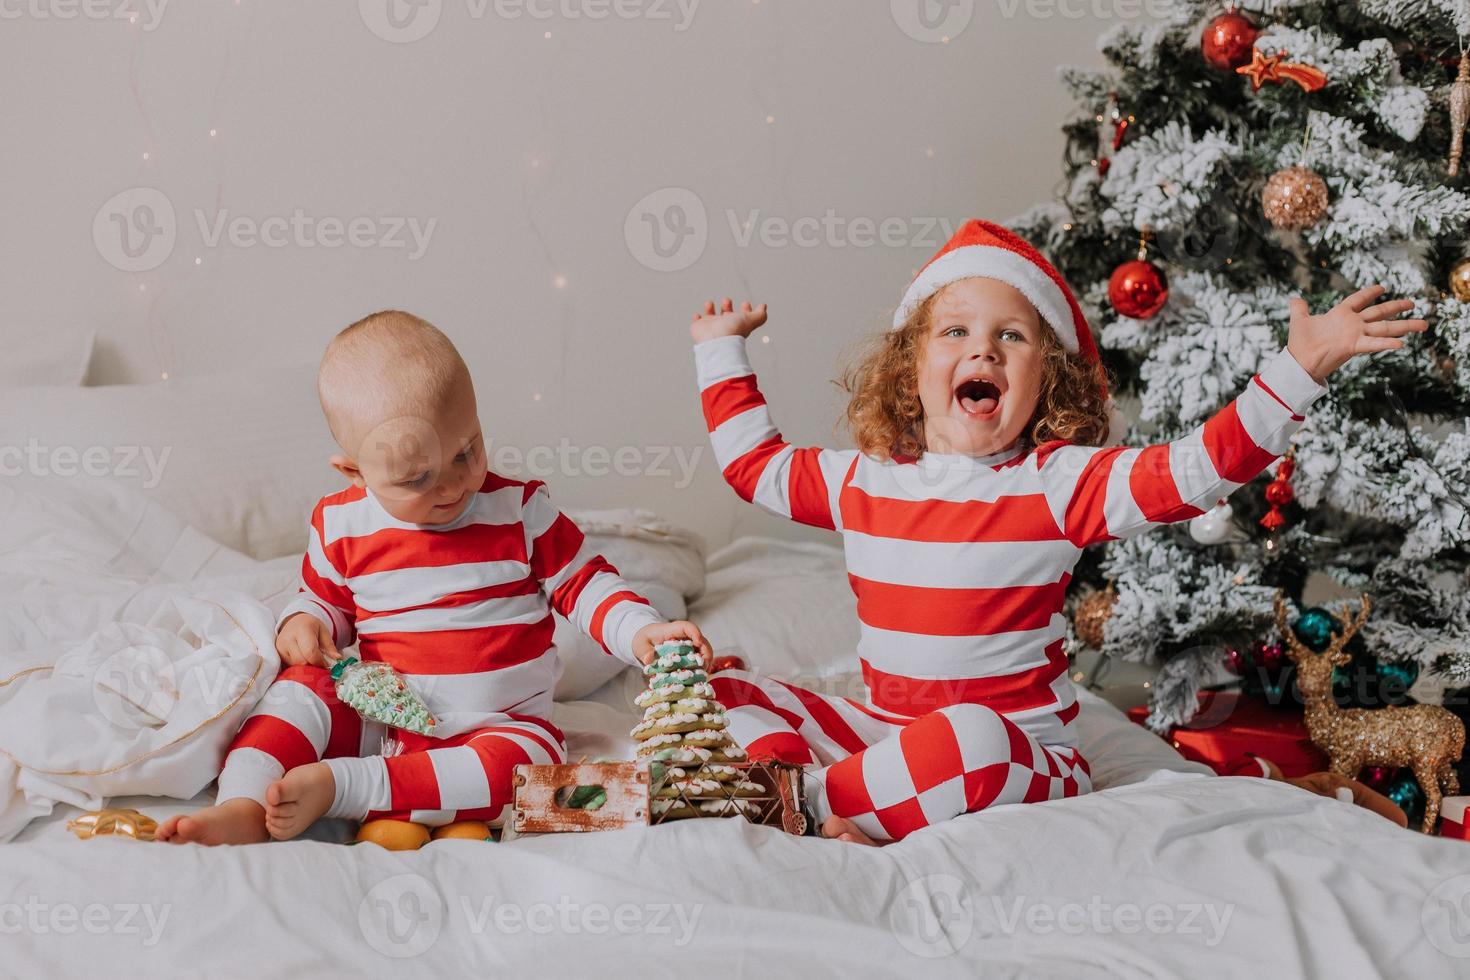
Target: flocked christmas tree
(1280, 149)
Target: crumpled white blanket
(142, 709)
(133, 646)
(127, 660)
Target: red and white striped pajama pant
(890, 774)
(433, 781)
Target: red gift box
(1453, 818)
(1229, 725)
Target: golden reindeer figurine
(1425, 737)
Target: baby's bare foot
(297, 799)
(238, 821)
(841, 828)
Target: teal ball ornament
(1398, 677)
(1405, 792)
(1314, 627)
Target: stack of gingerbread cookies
(684, 738)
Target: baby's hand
(716, 322)
(304, 639)
(652, 635)
(1322, 344)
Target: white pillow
(664, 563)
(240, 456)
(45, 357)
(787, 608)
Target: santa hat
(981, 249)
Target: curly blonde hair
(886, 418)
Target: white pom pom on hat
(981, 249)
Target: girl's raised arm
(800, 484)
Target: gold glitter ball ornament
(1092, 614)
(1294, 198)
(1460, 280)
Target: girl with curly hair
(980, 474)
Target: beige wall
(528, 154)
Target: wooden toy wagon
(611, 795)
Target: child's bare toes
(237, 821)
(166, 829)
(296, 800)
(841, 828)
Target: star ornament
(115, 822)
(1273, 68)
(1262, 69)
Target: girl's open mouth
(979, 398)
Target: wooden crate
(536, 809)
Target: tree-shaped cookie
(684, 738)
(378, 693)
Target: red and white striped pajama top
(464, 609)
(960, 564)
(464, 612)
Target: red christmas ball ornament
(1228, 41)
(1377, 777)
(1138, 289)
(1271, 656)
(728, 663)
(1279, 492)
(1234, 662)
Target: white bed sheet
(1166, 872)
(1163, 872)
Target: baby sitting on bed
(445, 571)
(976, 483)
